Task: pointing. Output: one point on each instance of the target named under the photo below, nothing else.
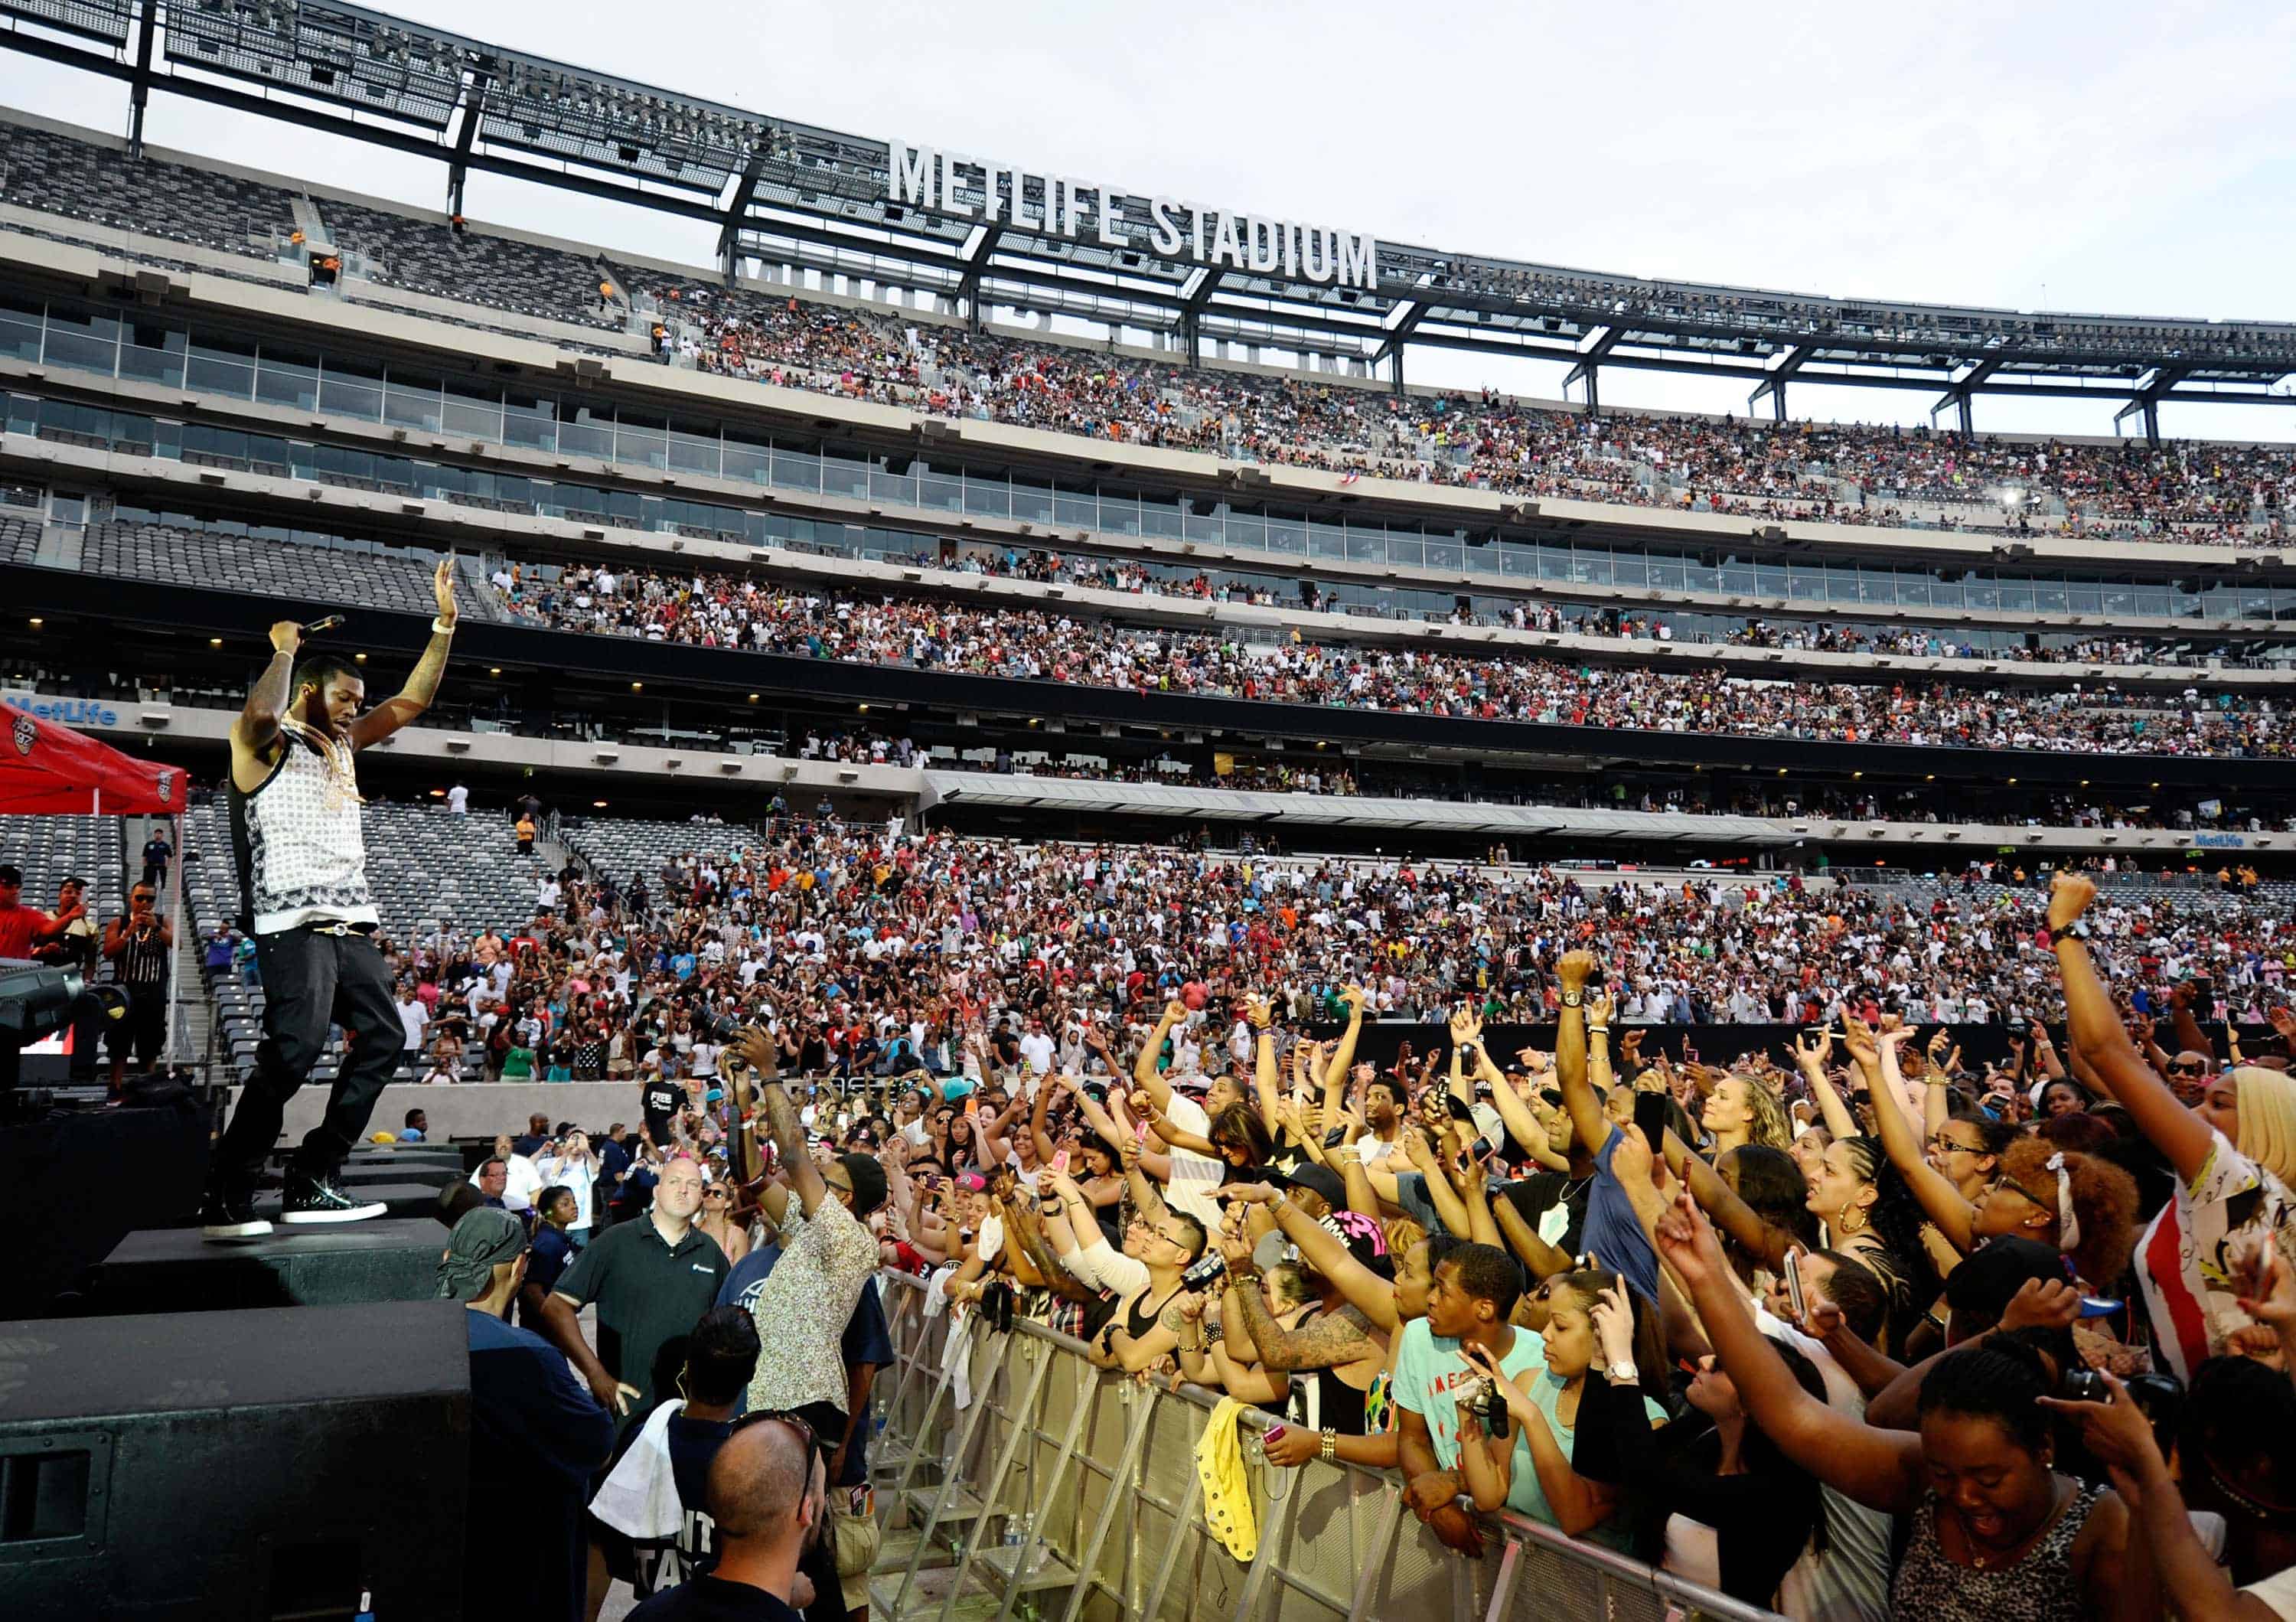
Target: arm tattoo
(780, 1116)
(1325, 1341)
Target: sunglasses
(794, 1422)
(2182, 1068)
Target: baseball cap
(10, 874)
(1985, 1280)
(868, 1181)
(1315, 1179)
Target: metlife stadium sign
(951, 182)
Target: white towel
(639, 1499)
(956, 1352)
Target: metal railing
(1064, 1492)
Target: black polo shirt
(649, 1292)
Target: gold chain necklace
(342, 782)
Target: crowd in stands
(743, 612)
(2183, 490)
(1858, 1328)
(1116, 575)
(889, 951)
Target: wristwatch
(1574, 999)
(1623, 1374)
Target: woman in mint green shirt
(1530, 1471)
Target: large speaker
(235, 1465)
(319, 1265)
(72, 1184)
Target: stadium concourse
(1237, 985)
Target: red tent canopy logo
(26, 733)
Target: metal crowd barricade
(1102, 1469)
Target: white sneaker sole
(356, 1213)
(225, 1231)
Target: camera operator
(136, 946)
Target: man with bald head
(765, 1489)
(652, 1280)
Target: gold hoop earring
(1841, 1218)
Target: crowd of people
(878, 953)
(1527, 614)
(2181, 490)
(745, 613)
(1857, 1328)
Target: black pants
(142, 1028)
(310, 982)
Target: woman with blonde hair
(2234, 1155)
(1745, 1110)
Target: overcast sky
(2108, 157)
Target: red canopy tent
(46, 769)
(49, 769)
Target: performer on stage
(303, 897)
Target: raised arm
(1343, 1056)
(1037, 1125)
(1811, 1051)
(1543, 1260)
(1467, 1179)
(1522, 1125)
(268, 703)
(1946, 1204)
(1881, 1470)
(1450, 1210)
(1599, 1006)
(1585, 1110)
(2178, 1134)
(1263, 1059)
(1765, 1242)
(422, 686)
(754, 1047)
(1322, 1250)
(1144, 1073)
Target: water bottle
(366, 1606)
(1017, 1528)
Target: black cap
(10, 874)
(868, 1183)
(1984, 1284)
(1315, 1179)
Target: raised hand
(1575, 969)
(1613, 1316)
(2070, 895)
(2042, 1303)
(442, 584)
(1686, 1241)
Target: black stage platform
(324, 1265)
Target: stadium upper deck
(998, 233)
(955, 244)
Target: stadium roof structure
(792, 195)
